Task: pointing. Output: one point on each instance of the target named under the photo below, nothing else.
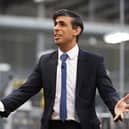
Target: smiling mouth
(57, 36)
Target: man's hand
(121, 108)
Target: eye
(62, 24)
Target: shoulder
(46, 56)
(90, 56)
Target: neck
(67, 46)
(66, 49)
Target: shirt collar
(72, 53)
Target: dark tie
(63, 110)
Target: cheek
(69, 34)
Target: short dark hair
(77, 20)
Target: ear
(77, 30)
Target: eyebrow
(60, 21)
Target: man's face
(64, 34)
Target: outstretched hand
(121, 108)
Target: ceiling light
(117, 37)
(38, 1)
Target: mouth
(57, 36)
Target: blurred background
(26, 33)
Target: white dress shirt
(70, 84)
(1, 107)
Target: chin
(58, 43)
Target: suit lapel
(53, 70)
(81, 68)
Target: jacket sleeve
(22, 94)
(105, 87)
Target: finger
(126, 110)
(126, 97)
(127, 106)
(116, 117)
(122, 116)
(119, 117)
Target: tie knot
(64, 57)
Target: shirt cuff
(2, 109)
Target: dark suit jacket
(91, 74)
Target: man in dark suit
(69, 77)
